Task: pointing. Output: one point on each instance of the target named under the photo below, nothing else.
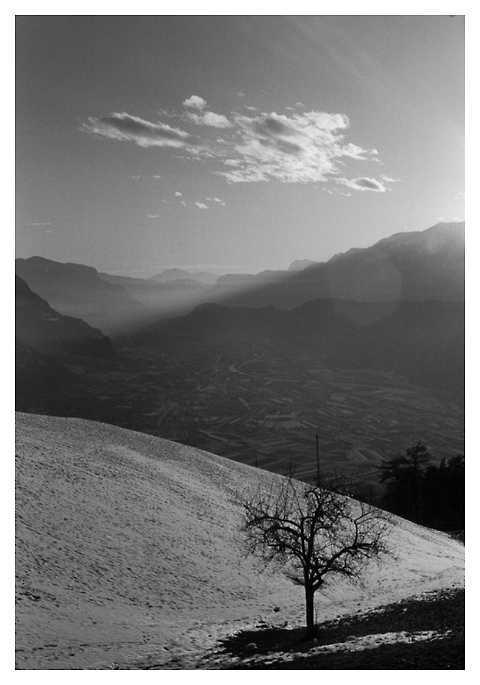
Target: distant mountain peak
(301, 264)
(175, 274)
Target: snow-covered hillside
(128, 547)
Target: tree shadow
(442, 612)
(265, 640)
(445, 653)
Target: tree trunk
(309, 594)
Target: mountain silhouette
(300, 264)
(46, 330)
(48, 347)
(417, 265)
(77, 290)
(175, 274)
(414, 266)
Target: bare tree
(313, 532)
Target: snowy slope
(127, 546)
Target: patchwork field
(260, 407)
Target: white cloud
(178, 194)
(153, 216)
(209, 119)
(201, 205)
(337, 191)
(38, 223)
(296, 147)
(202, 117)
(215, 199)
(195, 102)
(123, 126)
(388, 179)
(363, 184)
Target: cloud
(37, 223)
(388, 179)
(363, 184)
(195, 102)
(209, 119)
(123, 126)
(202, 117)
(156, 176)
(215, 199)
(336, 191)
(153, 216)
(298, 148)
(198, 204)
(295, 147)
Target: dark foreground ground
(426, 633)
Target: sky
(233, 143)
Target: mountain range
(175, 274)
(256, 382)
(78, 291)
(417, 265)
(420, 265)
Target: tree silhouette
(404, 478)
(313, 532)
(443, 494)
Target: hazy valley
(258, 384)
